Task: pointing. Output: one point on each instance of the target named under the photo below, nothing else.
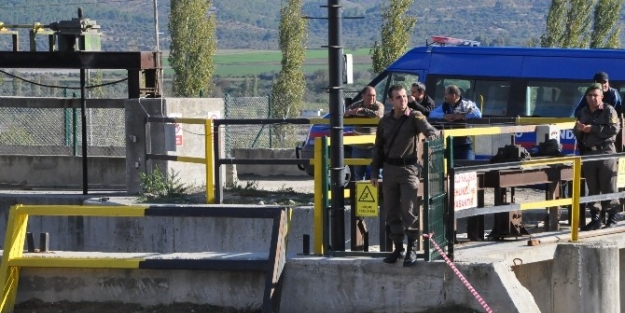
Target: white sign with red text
(465, 191)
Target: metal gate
(434, 197)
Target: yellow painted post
(13, 248)
(577, 176)
(318, 213)
(208, 156)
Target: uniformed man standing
(595, 131)
(396, 149)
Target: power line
(62, 87)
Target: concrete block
(586, 278)
(369, 285)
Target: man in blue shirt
(457, 109)
(610, 95)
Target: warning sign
(620, 178)
(178, 135)
(465, 190)
(366, 199)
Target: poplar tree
(96, 80)
(395, 34)
(606, 33)
(574, 24)
(555, 20)
(193, 44)
(578, 21)
(290, 86)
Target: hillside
(253, 24)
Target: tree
(572, 24)
(395, 34)
(578, 21)
(606, 17)
(96, 80)
(555, 20)
(288, 91)
(17, 85)
(193, 44)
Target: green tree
(578, 22)
(288, 90)
(606, 33)
(96, 80)
(555, 24)
(17, 85)
(193, 44)
(395, 33)
(573, 24)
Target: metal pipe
(337, 177)
(83, 115)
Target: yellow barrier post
(318, 213)
(13, 248)
(208, 156)
(577, 177)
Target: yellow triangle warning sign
(366, 199)
(366, 195)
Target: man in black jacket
(419, 101)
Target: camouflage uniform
(401, 170)
(600, 175)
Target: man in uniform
(419, 101)
(595, 131)
(611, 96)
(456, 109)
(368, 107)
(396, 149)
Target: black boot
(611, 222)
(410, 259)
(595, 221)
(397, 253)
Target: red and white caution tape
(457, 272)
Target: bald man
(367, 107)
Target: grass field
(255, 62)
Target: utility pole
(337, 157)
(157, 44)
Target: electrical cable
(62, 87)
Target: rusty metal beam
(516, 178)
(82, 59)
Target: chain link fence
(257, 136)
(51, 131)
(58, 131)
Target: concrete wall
(267, 169)
(162, 234)
(62, 171)
(310, 285)
(161, 140)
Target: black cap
(601, 77)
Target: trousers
(400, 186)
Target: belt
(402, 161)
(600, 147)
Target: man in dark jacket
(611, 96)
(419, 101)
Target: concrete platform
(509, 275)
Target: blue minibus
(503, 81)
